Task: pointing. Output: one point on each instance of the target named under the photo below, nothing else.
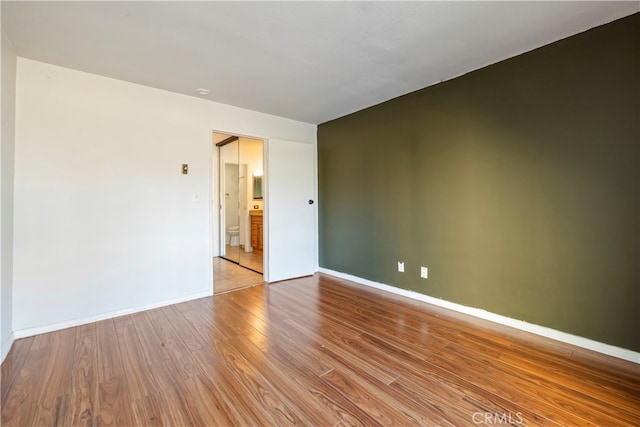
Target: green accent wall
(517, 185)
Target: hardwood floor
(253, 260)
(314, 351)
(228, 276)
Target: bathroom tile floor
(228, 276)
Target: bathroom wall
(517, 185)
(231, 194)
(229, 163)
(251, 155)
(246, 152)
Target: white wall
(7, 110)
(104, 220)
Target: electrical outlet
(401, 267)
(424, 272)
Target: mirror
(241, 201)
(257, 187)
(230, 202)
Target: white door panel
(291, 216)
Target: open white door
(291, 210)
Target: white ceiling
(309, 61)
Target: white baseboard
(6, 346)
(23, 333)
(621, 353)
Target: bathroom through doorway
(240, 176)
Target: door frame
(216, 203)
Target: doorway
(240, 171)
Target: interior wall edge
(589, 344)
(6, 347)
(7, 171)
(29, 332)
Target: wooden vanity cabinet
(256, 231)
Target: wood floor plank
(439, 389)
(334, 402)
(607, 365)
(191, 339)
(148, 411)
(352, 317)
(412, 314)
(207, 405)
(172, 342)
(287, 386)
(122, 321)
(375, 401)
(608, 390)
(347, 347)
(150, 343)
(452, 402)
(12, 365)
(242, 322)
(306, 350)
(63, 415)
(88, 329)
(19, 406)
(108, 350)
(202, 326)
(114, 402)
(410, 323)
(83, 405)
(277, 406)
(558, 393)
(447, 364)
(204, 310)
(335, 334)
(390, 334)
(183, 306)
(313, 351)
(221, 379)
(56, 381)
(170, 397)
(418, 408)
(138, 374)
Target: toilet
(233, 233)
